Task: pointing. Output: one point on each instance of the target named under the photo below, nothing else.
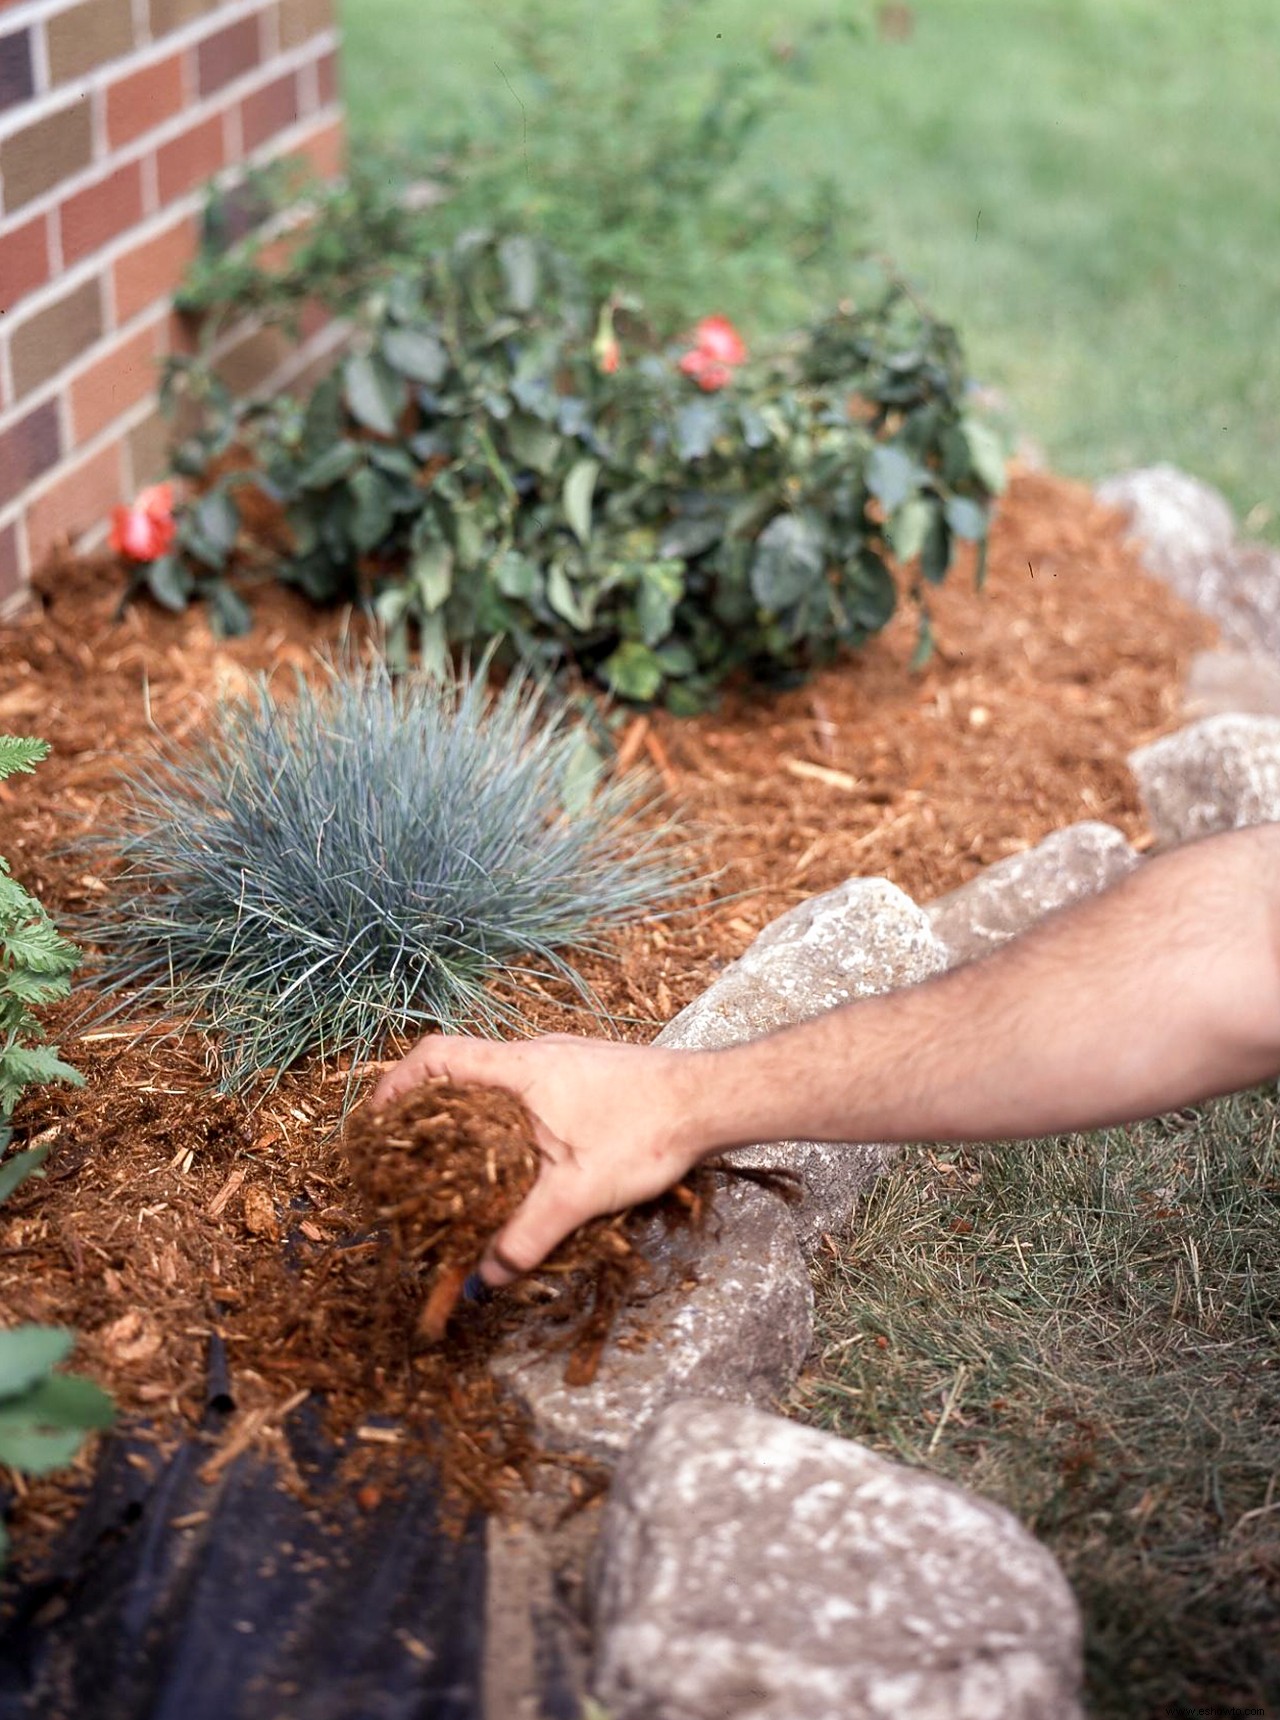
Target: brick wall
(113, 113)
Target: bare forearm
(1163, 991)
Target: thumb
(542, 1221)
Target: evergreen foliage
(372, 854)
(44, 1416)
(36, 964)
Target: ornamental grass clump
(373, 853)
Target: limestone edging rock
(1188, 539)
(1221, 773)
(749, 1568)
(1011, 895)
(862, 938)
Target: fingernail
(475, 1289)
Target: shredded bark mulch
(170, 1213)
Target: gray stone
(730, 1316)
(859, 939)
(1188, 540)
(1223, 681)
(1014, 893)
(1177, 517)
(1218, 774)
(752, 1569)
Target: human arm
(1162, 991)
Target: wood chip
(821, 773)
(218, 1204)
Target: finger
(542, 1222)
(455, 1056)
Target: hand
(613, 1122)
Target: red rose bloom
(709, 373)
(144, 530)
(717, 337)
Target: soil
(170, 1213)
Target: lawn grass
(1087, 1330)
(1085, 186)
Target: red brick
(16, 81)
(169, 15)
(96, 215)
(302, 19)
(314, 317)
(143, 99)
(227, 54)
(153, 269)
(268, 111)
(24, 261)
(36, 159)
(27, 449)
(324, 152)
(115, 382)
(75, 502)
(88, 36)
(327, 78)
(10, 564)
(190, 158)
(55, 336)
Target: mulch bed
(170, 1213)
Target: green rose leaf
(986, 454)
(789, 560)
(967, 518)
(330, 467)
(582, 772)
(231, 616)
(579, 488)
(516, 576)
(373, 515)
(909, 527)
(935, 552)
(696, 427)
(170, 582)
(661, 588)
(518, 258)
(216, 519)
(632, 672)
(892, 474)
(924, 643)
(391, 605)
(374, 394)
(433, 576)
(433, 646)
(873, 594)
(415, 354)
(569, 604)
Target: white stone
(1013, 894)
(1221, 773)
(862, 938)
(750, 1568)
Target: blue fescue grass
(372, 854)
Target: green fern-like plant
(44, 1416)
(36, 964)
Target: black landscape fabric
(175, 1599)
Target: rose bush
(493, 460)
